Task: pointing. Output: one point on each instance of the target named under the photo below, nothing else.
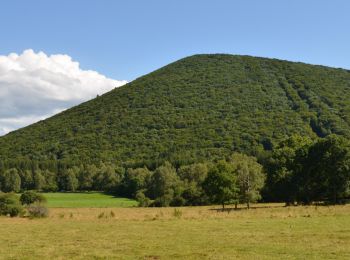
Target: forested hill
(203, 106)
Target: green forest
(298, 171)
(206, 129)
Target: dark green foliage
(134, 181)
(86, 177)
(221, 184)
(50, 181)
(304, 171)
(10, 205)
(27, 181)
(201, 107)
(281, 184)
(10, 181)
(193, 177)
(30, 197)
(155, 138)
(108, 177)
(68, 180)
(165, 186)
(325, 173)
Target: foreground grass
(184, 233)
(86, 200)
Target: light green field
(267, 232)
(86, 200)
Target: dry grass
(266, 232)
(209, 212)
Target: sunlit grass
(86, 200)
(267, 232)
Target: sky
(56, 54)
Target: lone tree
(220, 184)
(250, 177)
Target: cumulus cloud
(34, 86)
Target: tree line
(304, 171)
(298, 170)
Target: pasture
(86, 200)
(267, 231)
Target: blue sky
(103, 42)
(126, 39)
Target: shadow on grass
(114, 195)
(233, 209)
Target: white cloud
(34, 86)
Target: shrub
(30, 197)
(10, 205)
(177, 213)
(37, 210)
(142, 199)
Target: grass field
(266, 232)
(86, 200)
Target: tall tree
(108, 177)
(27, 181)
(193, 177)
(281, 168)
(221, 184)
(11, 181)
(86, 176)
(68, 179)
(135, 180)
(50, 180)
(326, 171)
(39, 180)
(250, 177)
(165, 185)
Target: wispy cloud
(34, 86)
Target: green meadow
(86, 200)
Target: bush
(177, 213)
(142, 199)
(10, 205)
(30, 197)
(37, 210)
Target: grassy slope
(86, 200)
(199, 107)
(153, 233)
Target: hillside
(202, 106)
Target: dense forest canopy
(200, 107)
(205, 129)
